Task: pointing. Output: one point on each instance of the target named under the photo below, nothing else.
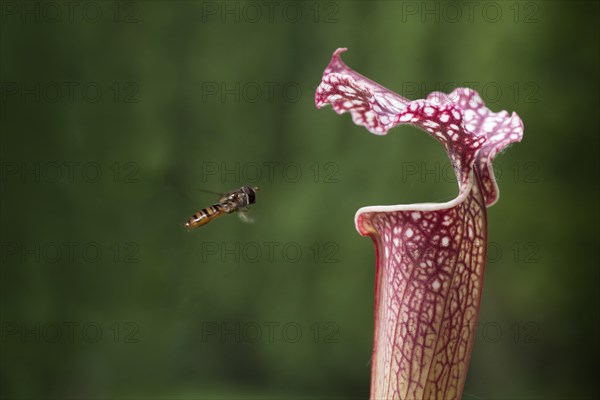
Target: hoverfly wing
(211, 192)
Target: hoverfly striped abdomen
(204, 216)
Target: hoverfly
(235, 201)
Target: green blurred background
(114, 114)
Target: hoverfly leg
(245, 216)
